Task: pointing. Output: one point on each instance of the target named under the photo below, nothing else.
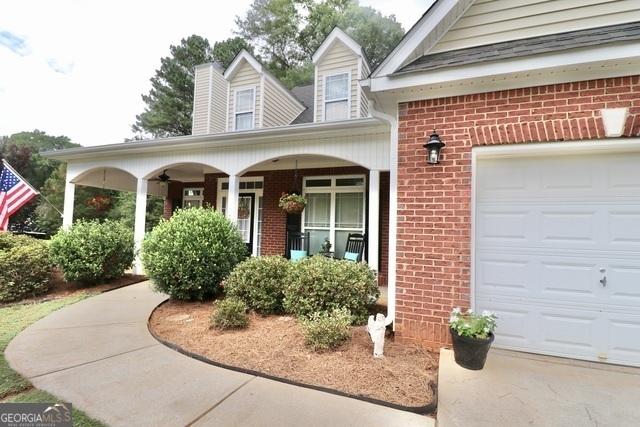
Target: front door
(246, 204)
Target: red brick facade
(434, 201)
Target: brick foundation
(434, 201)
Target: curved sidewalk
(99, 355)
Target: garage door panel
(542, 238)
(623, 281)
(623, 337)
(502, 275)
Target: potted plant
(472, 335)
(292, 203)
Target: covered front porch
(342, 169)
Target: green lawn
(13, 387)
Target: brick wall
(434, 201)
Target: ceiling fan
(162, 178)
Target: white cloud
(79, 68)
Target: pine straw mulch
(275, 346)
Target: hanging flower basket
(292, 203)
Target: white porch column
(69, 197)
(374, 220)
(139, 224)
(232, 198)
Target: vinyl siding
(338, 58)
(494, 21)
(209, 100)
(202, 82)
(245, 77)
(364, 102)
(279, 109)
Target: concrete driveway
(519, 389)
(99, 355)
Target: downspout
(393, 212)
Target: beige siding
(218, 109)
(364, 101)
(209, 100)
(338, 59)
(202, 82)
(279, 108)
(494, 21)
(245, 77)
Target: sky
(78, 68)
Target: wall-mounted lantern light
(433, 146)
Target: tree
(21, 151)
(170, 100)
(288, 32)
(225, 51)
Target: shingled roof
(525, 47)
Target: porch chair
(355, 247)
(297, 245)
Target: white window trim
(199, 198)
(258, 192)
(324, 94)
(333, 190)
(252, 111)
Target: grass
(13, 319)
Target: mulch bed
(275, 346)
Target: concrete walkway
(520, 389)
(99, 355)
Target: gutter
(218, 140)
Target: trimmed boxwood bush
(190, 254)
(25, 267)
(323, 330)
(320, 284)
(93, 251)
(259, 282)
(230, 313)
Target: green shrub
(259, 282)
(93, 251)
(322, 284)
(230, 313)
(25, 268)
(190, 254)
(326, 330)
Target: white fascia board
(436, 11)
(335, 35)
(527, 64)
(249, 137)
(243, 55)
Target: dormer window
(336, 98)
(244, 109)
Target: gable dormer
(339, 64)
(256, 99)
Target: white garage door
(557, 254)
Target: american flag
(14, 193)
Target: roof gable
(242, 57)
(337, 35)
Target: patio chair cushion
(298, 255)
(351, 256)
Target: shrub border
(429, 409)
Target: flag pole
(8, 166)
